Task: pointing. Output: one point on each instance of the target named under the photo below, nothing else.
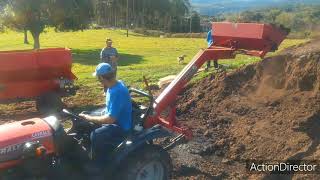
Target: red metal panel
(17, 66)
(27, 89)
(238, 30)
(34, 65)
(248, 36)
(54, 63)
(22, 131)
(18, 133)
(30, 73)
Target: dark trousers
(104, 140)
(215, 64)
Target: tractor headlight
(33, 149)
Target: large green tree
(285, 19)
(195, 22)
(2, 4)
(14, 21)
(35, 15)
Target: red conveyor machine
(230, 39)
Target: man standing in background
(110, 55)
(210, 42)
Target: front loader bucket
(248, 36)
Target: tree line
(64, 15)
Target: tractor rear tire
(49, 103)
(148, 162)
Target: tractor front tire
(49, 103)
(149, 162)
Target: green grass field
(140, 55)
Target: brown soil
(265, 111)
(83, 100)
(17, 111)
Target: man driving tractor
(116, 120)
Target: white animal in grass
(181, 58)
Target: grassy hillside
(149, 56)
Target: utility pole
(190, 23)
(133, 13)
(127, 18)
(191, 12)
(109, 11)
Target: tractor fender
(133, 143)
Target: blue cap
(102, 69)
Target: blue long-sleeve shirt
(209, 38)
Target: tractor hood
(13, 136)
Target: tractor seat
(138, 112)
(137, 119)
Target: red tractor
(44, 75)
(43, 148)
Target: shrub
(2, 29)
(153, 33)
(188, 35)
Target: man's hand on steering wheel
(84, 115)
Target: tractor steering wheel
(79, 123)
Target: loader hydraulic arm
(229, 40)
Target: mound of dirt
(265, 111)
(17, 111)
